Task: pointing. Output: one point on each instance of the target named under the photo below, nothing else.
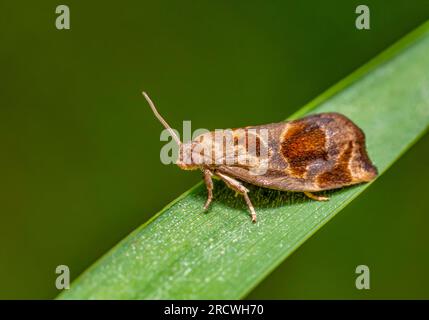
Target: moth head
(185, 160)
(197, 153)
(188, 159)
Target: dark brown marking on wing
(258, 146)
(340, 174)
(303, 143)
(224, 149)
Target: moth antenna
(161, 119)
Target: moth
(318, 152)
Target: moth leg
(209, 184)
(239, 188)
(316, 197)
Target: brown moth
(318, 152)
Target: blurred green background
(80, 164)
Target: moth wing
(318, 152)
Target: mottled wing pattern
(318, 152)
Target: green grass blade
(184, 253)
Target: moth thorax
(188, 159)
